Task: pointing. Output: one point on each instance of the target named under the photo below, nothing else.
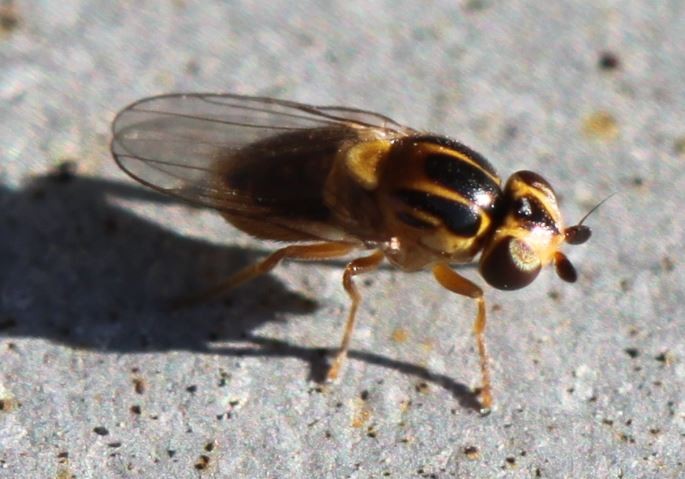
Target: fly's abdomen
(282, 181)
(439, 194)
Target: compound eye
(509, 264)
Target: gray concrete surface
(98, 380)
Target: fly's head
(529, 235)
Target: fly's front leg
(460, 285)
(355, 267)
(316, 251)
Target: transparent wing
(175, 143)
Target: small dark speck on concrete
(202, 462)
(170, 452)
(7, 404)
(138, 385)
(632, 352)
(609, 61)
(101, 431)
(9, 16)
(671, 410)
(191, 389)
(476, 5)
(679, 146)
(471, 452)
(364, 395)
(422, 387)
(667, 264)
(317, 389)
(192, 68)
(662, 357)
(114, 444)
(625, 285)
(209, 447)
(135, 409)
(511, 131)
(63, 455)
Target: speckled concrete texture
(98, 379)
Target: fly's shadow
(78, 270)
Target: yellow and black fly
(335, 180)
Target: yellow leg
(460, 285)
(302, 252)
(355, 267)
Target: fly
(333, 181)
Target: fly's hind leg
(460, 285)
(315, 251)
(355, 267)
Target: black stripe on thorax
(460, 148)
(459, 218)
(469, 180)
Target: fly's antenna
(580, 233)
(594, 208)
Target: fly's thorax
(529, 235)
(350, 188)
(438, 197)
